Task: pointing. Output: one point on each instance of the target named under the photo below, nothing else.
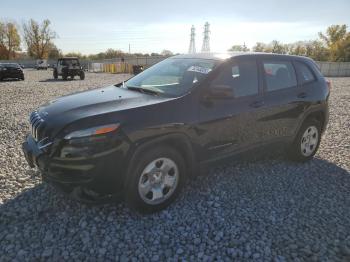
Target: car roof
(9, 64)
(68, 57)
(228, 55)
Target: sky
(151, 26)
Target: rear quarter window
(306, 75)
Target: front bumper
(74, 72)
(11, 75)
(98, 176)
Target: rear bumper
(101, 175)
(326, 118)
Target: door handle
(257, 104)
(302, 95)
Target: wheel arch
(178, 141)
(320, 116)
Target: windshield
(173, 76)
(73, 62)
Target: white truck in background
(41, 64)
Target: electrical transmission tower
(192, 49)
(206, 39)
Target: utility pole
(129, 49)
(192, 49)
(206, 39)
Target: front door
(59, 67)
(230, 123)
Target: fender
(179, 140)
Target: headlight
(98, 130)
(3, 68)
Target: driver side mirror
(219, 92)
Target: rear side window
(279, 75)
(241, 76)
(305, 73)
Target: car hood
(67, 109)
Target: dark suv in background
(11, 71)
(144, 137)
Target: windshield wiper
(143, 90)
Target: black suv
(11, 71)
(144, 137)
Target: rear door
(282, 97)
(230, 123)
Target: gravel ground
(266, 209)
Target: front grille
(37, 125)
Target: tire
(82, 75)
(307, 141)
(141, 184)
(55, 74)
(64, 75)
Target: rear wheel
(306, 142)
(155, 180)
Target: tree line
(38, 39)
(333, 45)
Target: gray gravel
(265, 209)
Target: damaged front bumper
(89, 178)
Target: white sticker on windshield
(199, 69)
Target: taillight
(329, 84)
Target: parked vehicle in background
(11, 71)
(145, 137)
(137, 69)
(41, 64)
(68, 67)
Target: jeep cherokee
(144, 137)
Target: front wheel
(64, 76)
(306, 142)
(155, 180)
(82, 75)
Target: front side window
(306, 76)
(279, 75)
(11, 65)
(173, 76)
(241, 76)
